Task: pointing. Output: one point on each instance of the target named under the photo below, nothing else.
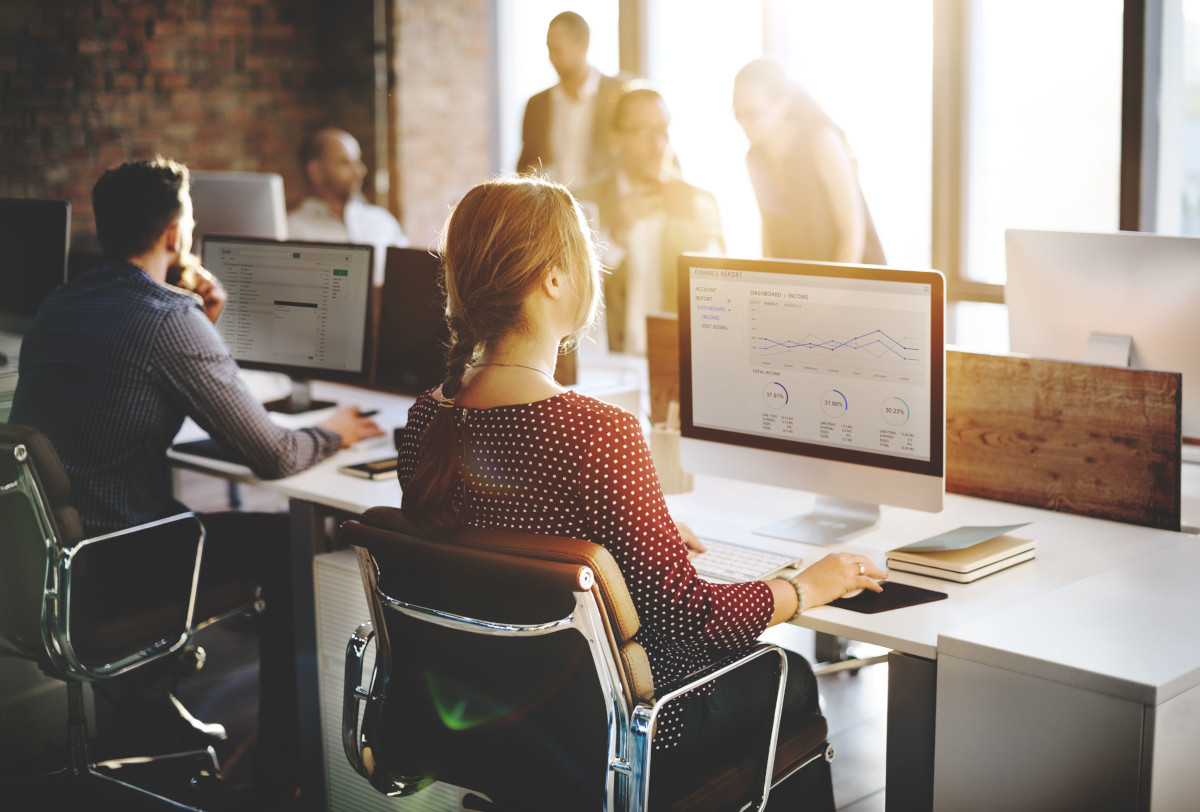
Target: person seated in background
(110, 367)
(335, 209)
(804, 173)
(646, 217)
(500, 445)
(564, 132)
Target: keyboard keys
(733, 563)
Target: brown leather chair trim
(620, 616)
(613, 591)
(637, 670)
(496, 566)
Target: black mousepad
(893, 596)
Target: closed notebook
(993, 554)
(959, 577)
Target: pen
(368, 413)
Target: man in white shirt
(565, 132)
(335, 210)
(646, 216)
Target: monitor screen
(241, 204)
(1143, 289)
(35, 237)
(820, 377)
(296, 307)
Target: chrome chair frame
(57, 654)
(630, 729)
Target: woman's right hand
(835, 575)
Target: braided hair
(499, 243)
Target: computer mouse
(853, 593)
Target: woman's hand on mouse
(837, 574)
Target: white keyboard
(733, 563)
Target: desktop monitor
(240, 204)
(302, 308)
(35, 237)
(1119, 298)
(819, 377)
(413, 335)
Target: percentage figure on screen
(775, 395)
(834, 403)
(895, 411)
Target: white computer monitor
(820, 377)
(1118, 298)
(239, 204)
(301, 308)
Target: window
(1044, 123)
(697, 47)
(1178, 209)
(869, 64)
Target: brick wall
(235, 84)
(441, 108)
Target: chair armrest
(117, 601)
(353, 694)
(645, 714)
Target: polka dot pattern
(575, 466)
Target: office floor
(854, 703)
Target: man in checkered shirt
(112, 364)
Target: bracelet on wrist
(791, 579)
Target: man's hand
(353, 427)
(208, 288)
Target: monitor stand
(299, 401)
(831, 521)
(1109, 349)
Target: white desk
(1084, 698)
(1071, 550)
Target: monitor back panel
(413, 337)
(35, 236)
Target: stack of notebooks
(963, 555)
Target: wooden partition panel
(1080, 438)
(662, 362)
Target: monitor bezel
(934, 466)
(355, 378)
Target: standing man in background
(646, 217)
(564, 135)
(335, 210)
(803, 171)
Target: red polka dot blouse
(574, 466)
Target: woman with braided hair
(501, 445)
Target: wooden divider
(1080, 438)
(662, 362)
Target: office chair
(505, 665)
(89, 609)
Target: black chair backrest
(522, 720)
(83, 608)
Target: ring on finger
(861, 569)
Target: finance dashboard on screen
(844, 362)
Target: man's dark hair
(135, 202)
(574, 23)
